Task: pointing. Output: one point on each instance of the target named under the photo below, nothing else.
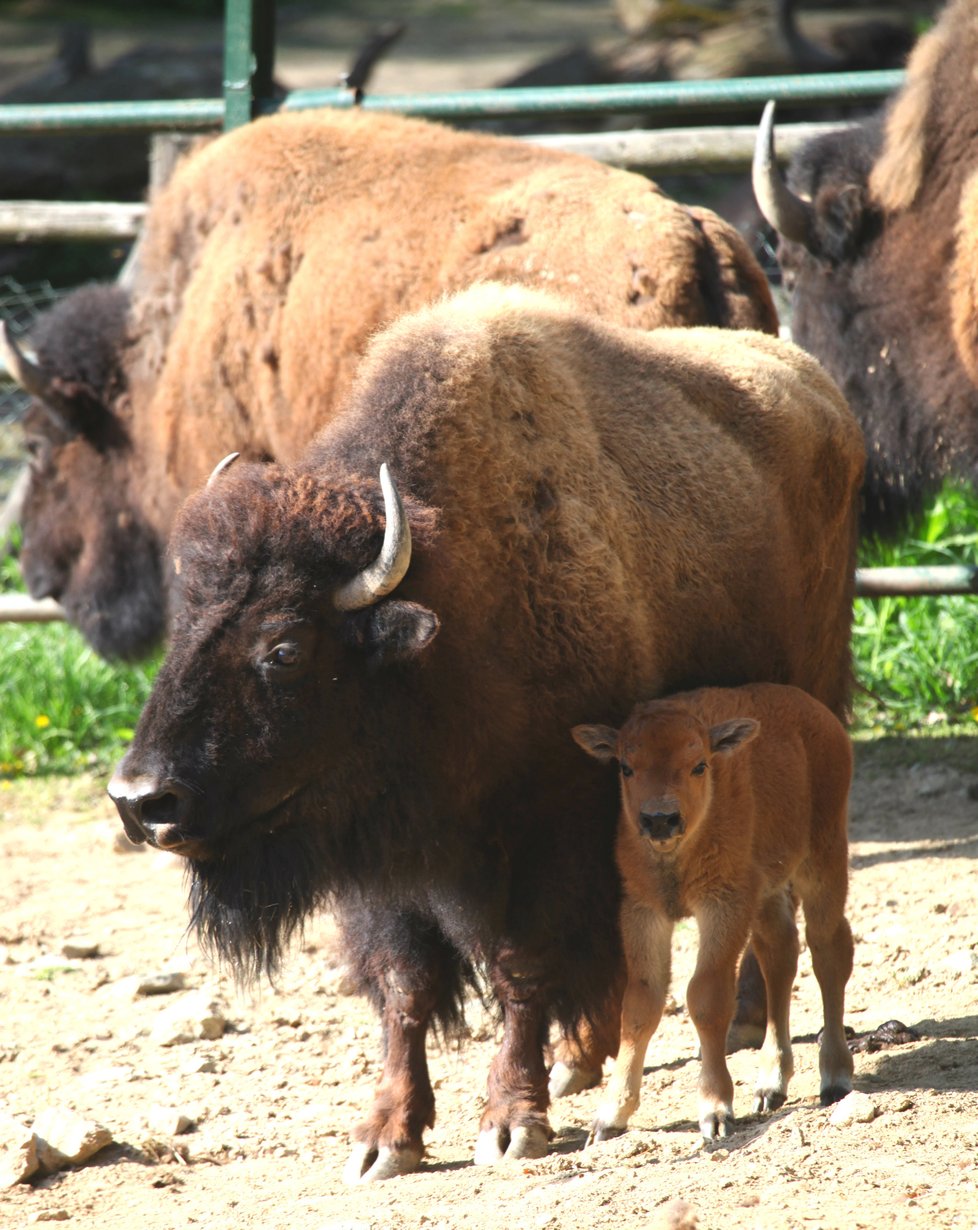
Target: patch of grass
(917, 658)
(64, 708)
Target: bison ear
(392, 631)
(841, 213)
(601, 742)
(728, 736)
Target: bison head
(84, 543)
(866, 260)
(261, 755)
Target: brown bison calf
(731, 799)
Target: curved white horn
(221, 466)
(790, 216)
(25, 371)
(388, 569)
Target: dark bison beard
(247, 904)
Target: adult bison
(597, 515)
(266, 264)
(879, 245)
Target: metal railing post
(249, 58)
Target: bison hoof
(603, 1131)
(766, 1100)
(367, 1164)
(498, 1144)
(565, 1080)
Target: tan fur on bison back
(634, 496)
(276, 251)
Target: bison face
(263, 751)
(84, 542)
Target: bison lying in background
(731, 837)
(879, 245)
(266, 264)
(593, 515)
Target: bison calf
(733, 800)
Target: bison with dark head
(266, 264)
(878, 243)
(596, 514)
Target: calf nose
(660, 825)
(152, 810)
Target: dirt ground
(272, 1101)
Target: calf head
(665, 758)
(85, 542)
(262, 755)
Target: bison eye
(700, 769)
(285, 655)
(626, 770)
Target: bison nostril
(151, 809)
(166, 807)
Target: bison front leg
(411, 975)
(389, 1141)
(515, 1123)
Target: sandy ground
(272, 1101)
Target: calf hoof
(834, 1093)
(565, 1080)
(603, 1131)
(497, 1144)
(717, 1125)
(766, 1100)
(369, 1164)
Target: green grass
(64, 709)
(917, 658)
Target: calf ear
(601, 742)
(726, 737)
(392, 631)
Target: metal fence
(249, 52)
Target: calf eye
(700, 769)
(626, 770)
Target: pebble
(80, 948)
(164, 983)
(190, 1018)
(51, 1215)
(855, 1107)
(676, 1215)
(18, 1151)
(64, 1138)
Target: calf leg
(410, 973)
(775, 939)
(710, 998)
(830, 943)
(647, 940)
(515, 1124)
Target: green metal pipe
(653, 95)
(188, 115)
(665, 96)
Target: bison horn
(221, 466)
(25, 371)
(790, 216)
(387, 570)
